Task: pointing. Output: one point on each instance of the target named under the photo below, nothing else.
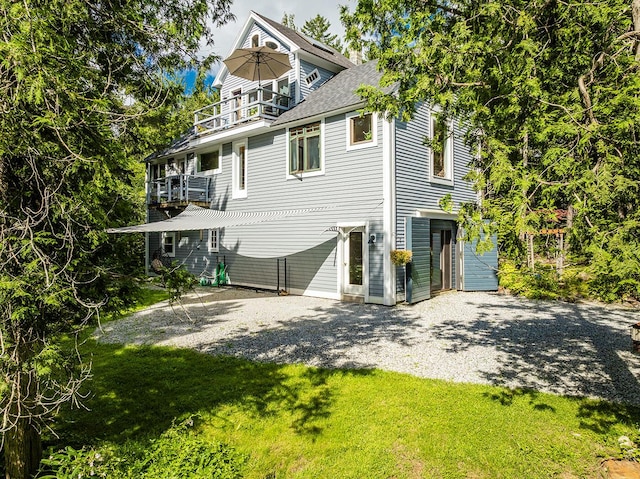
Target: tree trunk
(22, 442)
(635, 13)
(22, 450)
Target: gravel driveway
(569, 349)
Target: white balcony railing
(260, 103)
(176, 188)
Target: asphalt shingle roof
(336, 94)
(177, 146)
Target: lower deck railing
(177, 188)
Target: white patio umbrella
(258, 63)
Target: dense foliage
(550, 91)
(318, 28)
(69, 72)
(178, 452)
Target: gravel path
(569, 349)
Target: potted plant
(402, 257)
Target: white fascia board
(254, 128)
(327, 114)
(320, 62)
(437, 214)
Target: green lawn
(293, 421)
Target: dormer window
(312, 77)
(255, 41)
(270, 44)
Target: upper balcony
(180, 190)
(257, 104)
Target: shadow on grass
(141, 391)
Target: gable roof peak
(305, 43)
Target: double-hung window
(305, 149)
(441, 141)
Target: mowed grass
(290, 421)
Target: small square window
(312, 77)
(361, 131)
(212, 242)
(210, 161)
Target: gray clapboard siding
(418, 241)
(376, 259)
(351, 186)
(479, 270)
(414, 191)
(305, 69)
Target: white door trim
(343, 288)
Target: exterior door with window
(441, 260)
(353, 262)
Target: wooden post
(635, 337)
(530, 252)
(560, 253)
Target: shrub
(543, 282)
(177, 280)
(178, 453)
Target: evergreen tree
(289, 20)
(69, 71)
(550, 92)
(318, 28)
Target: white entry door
(353, 271)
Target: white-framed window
(279, 86)
(312, 77)
(362, 131)
(210, 161)
(190, 163)
(155, 171)
(236, 105)
(441, 149)
(169, 243)
(239, 169)
(171, 167)
(213, 239)
(305, 150)
(255, 41)
(271, 44)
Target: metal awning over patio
(197, 218)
